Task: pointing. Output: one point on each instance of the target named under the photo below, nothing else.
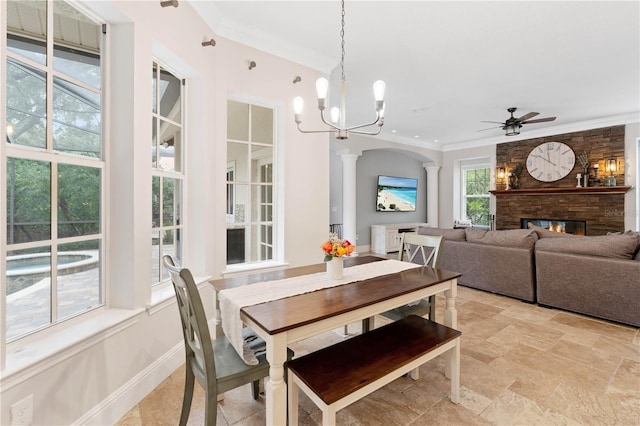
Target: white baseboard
(110, 410)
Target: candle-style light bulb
(335, 115)
(378, 90)
(322, 86)
(298, 106)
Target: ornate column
(432, 194)
(349, 198)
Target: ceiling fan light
(512, 130)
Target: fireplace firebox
(565, 226)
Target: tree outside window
(476, 197)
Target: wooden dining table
(291, 319)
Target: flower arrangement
(335, 247)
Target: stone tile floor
(521, 364)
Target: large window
(476, 181)
(250, 183)
(53, 165)
(167, 148)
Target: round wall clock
(550, 161)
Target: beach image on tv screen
(396, 194)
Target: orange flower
(335, 247)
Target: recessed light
(416, 136)
(435, 140)
(394, 131)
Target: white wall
(95, 372)
(632, 176)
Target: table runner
(234, 299)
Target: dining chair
(425, 250)
(214, 364)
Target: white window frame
(54, 158)
(466, 166)
(277, 181)
(163, 283)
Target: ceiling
(448, 65)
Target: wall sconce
(501, 178)
(211, 43)
(168, 3)
(611, 165)
(252, 65)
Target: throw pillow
(520, 238)
(545, 233)
(612, 246)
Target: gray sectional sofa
(597, 276)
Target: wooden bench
(337, 376)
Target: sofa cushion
(448, 234)
(636, 254)
(613, 246)
(520, 238)
(545, 233)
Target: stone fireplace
(601, 208)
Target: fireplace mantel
(558, 191)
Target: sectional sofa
(597, 276)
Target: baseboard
(120, 402)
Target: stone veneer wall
(603, 212)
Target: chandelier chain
(342, 45)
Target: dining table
(284, 321)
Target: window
(54, 166)
(167, 181)
(476, 182)
(250, 183)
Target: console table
(386, 238)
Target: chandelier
(337, 121)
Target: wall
(372, 164)
(383, 157)
(632, 176)
(95, 371)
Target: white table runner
(234, 299)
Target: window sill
(164, 295)
(38, 355)
(35, 355)
(248, 268)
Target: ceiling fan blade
(490, 128)
(497, 122)
(528, 116)
(538, 120)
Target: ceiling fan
(512, 125)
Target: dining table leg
(276, 387)
(452, 362)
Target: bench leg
(452, 370)
(292, 394)
(414, 374)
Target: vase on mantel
(335, 268)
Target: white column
(349, 198)
(432, 194)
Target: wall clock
(550, 161)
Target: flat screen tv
(396, 194)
